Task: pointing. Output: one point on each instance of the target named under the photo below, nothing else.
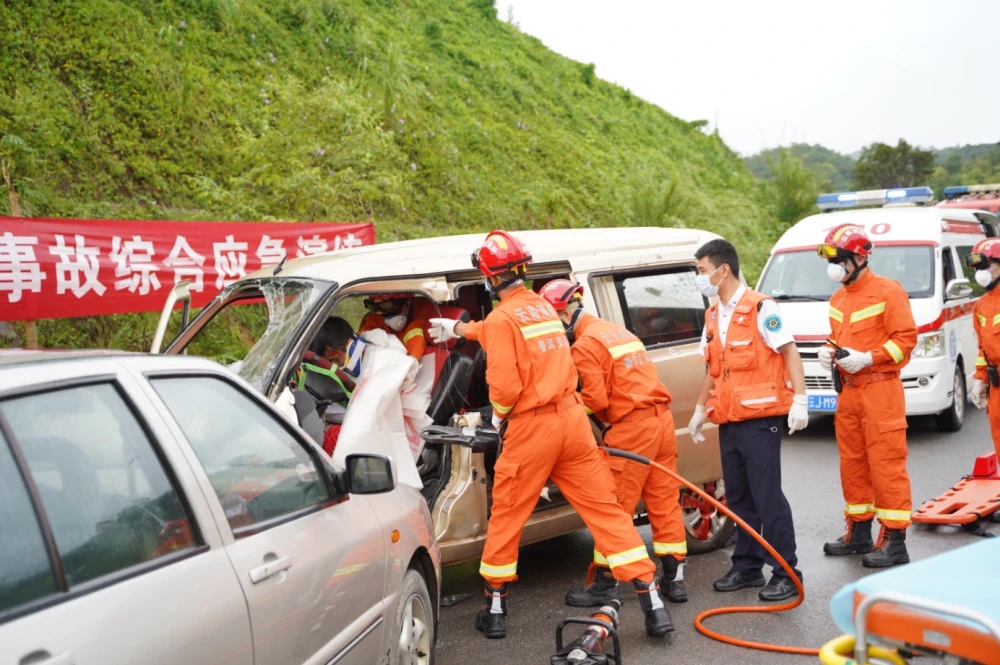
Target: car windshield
(802, 276)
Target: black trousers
(751, 469)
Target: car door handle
(270, 569)
(43, 658)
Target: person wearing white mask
(754, 386)
(394, 313)
(985, 393)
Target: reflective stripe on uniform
(628, 556)
(539, 329)
(858, 508)
(980, 361)
(868, 312)
(661, 549)
(893, 350)
(836, 315)
(982, 320)
(501, 409)
(416, 332)
(624, 349)
(893, 515)
(507, 570)
(760, 400)
(996, 319)
(600, 559)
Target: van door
(959, 313)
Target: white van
(921, 247)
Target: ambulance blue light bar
(963, 190)
(874, 197)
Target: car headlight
(929, 345)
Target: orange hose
(699, 620)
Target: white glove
(697, 422)
(497, 422)
(978, 393)
(825, 355)
(798, 417)
(442, 330)
(855, 361)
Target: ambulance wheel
(708, 529)
(952, 418)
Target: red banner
(55, 268)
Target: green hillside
(832, 169)
(426, 116)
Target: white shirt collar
(735, 300)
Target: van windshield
(802, 275)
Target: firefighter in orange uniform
(871, 321)
(985, 259)
(621, 388)
(545, 434)
(391, 312)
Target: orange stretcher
(971, 501)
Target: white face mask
(396, 323)
(704, 284)
(836, 272)
(984, 278)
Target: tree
(883, 166)
(792, 189)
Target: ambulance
(923, 248)
(974, 197)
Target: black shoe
(735, 580)
(601, 588)
(657, 618)
(490, 619)
(890, 550)
(857, 540)
(673, 579)
(779, 588)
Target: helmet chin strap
(571, 328)
(857, 269)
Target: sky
(842, 74)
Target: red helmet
(383, 303)
(844, 240)
(501, 252)
(984, 252)
(560, 292)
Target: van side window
(970, 273)
(947, 266)
(663, 307)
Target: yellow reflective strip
(628, 556)
(868, 312)
(487, 570)
(982, 320)
(893, 350)
(670, 548)
(539, 329)
(600, 559)
(897, 515)
(589, 412)
(625, 349)
(858, 508)
(980, 362)
(996, 319)
(836, 315)
(501, 409)
(416, 332)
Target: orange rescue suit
(873, 314)
(533, 382)
(751, 380)
(987, 325)
(621, 387)
(412, 336)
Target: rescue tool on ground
(588, 649)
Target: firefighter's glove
(497, 422)
(697, 422)
(978, 393)
(855, 361)
(825, 355)
(442, 330)
(798, 417)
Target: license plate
(823, 403)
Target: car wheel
(708, 529)
(414, 641)
(952, 419)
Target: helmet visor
(384, 306)
(827, 251)
(976, 260)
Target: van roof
(986, 202)
(450, 254)
(886, 226)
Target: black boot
(490, 620)
(857, 540)
(890, 550)
(657, 618)
(601, 588)
(673, 579)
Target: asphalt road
(811, 482)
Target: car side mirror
(958, 289)
(369, 474)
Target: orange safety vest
(751, 380)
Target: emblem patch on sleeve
(773, 323)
